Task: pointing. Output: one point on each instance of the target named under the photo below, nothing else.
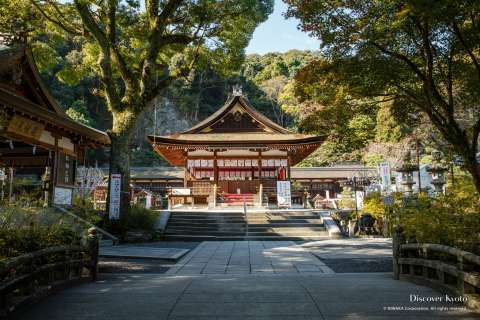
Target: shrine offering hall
(235, 155)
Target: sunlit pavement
(249, 257)
(223, 280)
(322, 296)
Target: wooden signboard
(63, 196)
(25, 127)
(284, 194)
(115, 190)
(65, 170)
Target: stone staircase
(268, 225)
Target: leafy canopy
(421, 55)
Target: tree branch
(167, 12)
(460, 37)
(104, 57)
(403, 58)
(111, 25)
(475, 136)
(58, 23)
(430, 82)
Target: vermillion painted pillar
(260, 166)
(185, 171)
(215, 178)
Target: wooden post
(351, 228)
(260, 195)
(398, 240)
(93, 246)
(460, 282)
(10, 187)
(215, 167)
(419, 174)
(288, 169)
(260, 165)
(215, 194)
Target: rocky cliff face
(168, 121)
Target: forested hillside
(280, 85)
(266, 80)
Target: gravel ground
(359, 265)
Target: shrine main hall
(236, 154)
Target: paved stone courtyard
(243, 297)
(249, 257)
(246, 280)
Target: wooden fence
(34, 275)
(446, 269)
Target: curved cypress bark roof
(236, 125)
(227, 107)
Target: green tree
(422, 54)
(78, 112)
(388, 129)
(139, 50)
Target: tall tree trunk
(473, 168)
(120, 164)
(120, 136)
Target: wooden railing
(31, 276)
(104, 233)
(446, 269)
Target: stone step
(180, 237)
(250, 233)
(233, 225)
(174, 219)
(250, 225)
(193, 218)
(250, 213)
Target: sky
(280, 34)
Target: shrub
(373, 204)
(452, 219)
(83, 207)
(24, 230)
(347, 200)
(137, 219)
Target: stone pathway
(354, 255)
(249, 257)
(129, 251)
(247, 280)
(245, 297)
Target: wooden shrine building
(235, 153)
(40, 145)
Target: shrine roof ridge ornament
(237, 90)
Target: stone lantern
(437, 172)
(406, 169)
